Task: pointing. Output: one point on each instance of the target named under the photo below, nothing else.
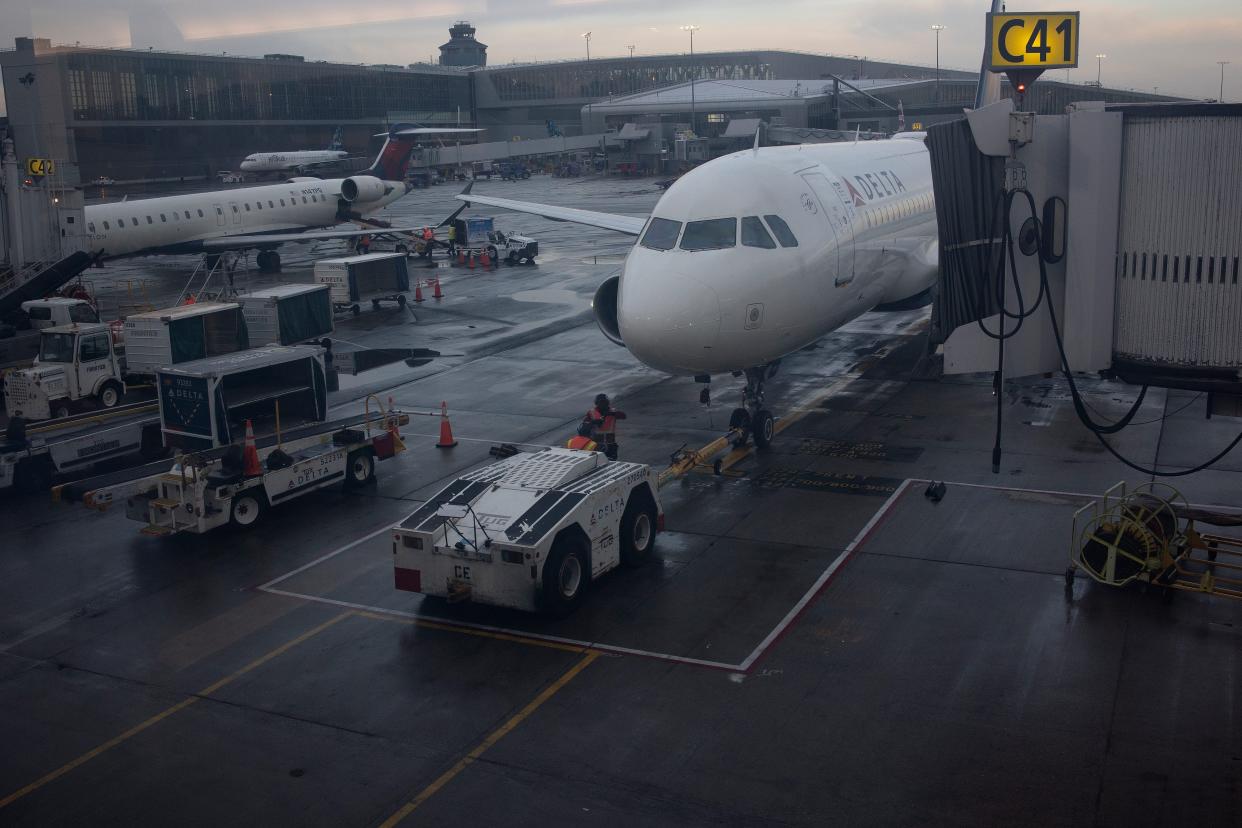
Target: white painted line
(552, 639)
(267, 587)
(810, 594)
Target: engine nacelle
(604, 304)
(302, 179)
(363, 188)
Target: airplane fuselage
(289, 161)
(721, 287)
(181, 223)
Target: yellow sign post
(1036, 40)
(40, 166)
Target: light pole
(1223, 64)
(937, 28)
(693, 73)
(1099, 69)
(631, 48)
(590, 125)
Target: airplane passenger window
(150, 220)
(247, 207)
(304, 201)
(219, 212)
(282, 202)
(258, 205)
(163, 218)
(187, 214)
(106, 227)
(200, 214)
(270, 205)
(710, 234)
(754, 234)
(134, 219)
(783, 234)
(235, 210)
(90, 225)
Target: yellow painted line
(164, 714)
(454, 628)
(491, 740)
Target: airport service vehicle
(288, 314)
(479, 234)
(755, 255)
(530, 532)
(374, 277)
(255, 218)
(84, 362)
(204, 407)
(19, 349)
(31, 457)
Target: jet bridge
(1133, 244)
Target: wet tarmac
(815, 643)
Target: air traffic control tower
(462, 49)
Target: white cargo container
(288, 314)
(373, 277)
(161, 338)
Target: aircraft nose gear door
(838, 209)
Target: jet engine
(604, 304)
(362, 188)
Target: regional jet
(258, 218)
(755, 255)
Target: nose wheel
(752, 420)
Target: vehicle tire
(61, 410)
(638, 529)
(355, 310)
(246, 508)
(565, 576)
(375, 303)
(401, 300)
(359, 469)
(109, 395)
(33, 475)
(493, 253)
(511, 258)
(764, 429)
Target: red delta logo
(873, 186)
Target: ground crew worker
(364, 244)
(603, 417)
(452, 240)
(582, 440)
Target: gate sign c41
(40, 166)
(1038, 40)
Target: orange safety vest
(581, 443)
(610, 421)
(427, 234)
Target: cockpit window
(661, 234)
(783, 234)
(712, 234)
(754, 234)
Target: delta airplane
(755, 255)
(299, 162)
(259, 218)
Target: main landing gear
(752, 419)
(268, 261)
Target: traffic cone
(418, 291)
(250, 454)
(398, 445)
(438, 294)
(461, 258)
(485, 260)
(446, 430)
(471, 265)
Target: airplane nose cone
(668, 320)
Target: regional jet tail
(259, 218)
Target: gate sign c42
(1038, 40)
(40, 166)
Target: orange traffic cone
(485, 260)
(471, 264)
(461, 258)
(250, 454)
(438, 294)
(418, 291)
(446, 430)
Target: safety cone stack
(418, 291)
(485, 260)
(446, 430)
(250, 454)
(437, 294)
(471, 264)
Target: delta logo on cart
(873, 186)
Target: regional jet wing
(241, 242)
(630, 225)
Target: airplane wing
(630, 225)
(241, 242)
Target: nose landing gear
(752, 419)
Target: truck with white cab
(531, 532)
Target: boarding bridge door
(838, 209)
(219, 214)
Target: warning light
(1022, 89)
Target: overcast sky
(1172, 46)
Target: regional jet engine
(604, 304)
(363, 188)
